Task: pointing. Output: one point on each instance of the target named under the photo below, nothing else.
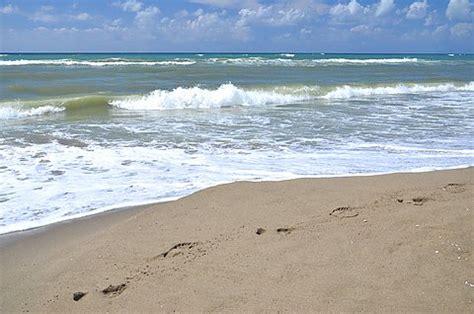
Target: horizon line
(229, 52)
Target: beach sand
(399, 242)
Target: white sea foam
(369, 61)
(227, 95)
(259, 61)
(242, 61)
(411, 149)
(347, 91)
(97, 63)
(14, 112)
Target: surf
(94, 63)
(225, 95)
(347, 91)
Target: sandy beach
(399, 242)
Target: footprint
(260, 231)
(419, 201)
(188, 245)
(454, 187)
(114, 290)
(285, 230)
(344, 212)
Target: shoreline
(393, 242)
(133, 205)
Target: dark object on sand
(78, 295)
(114, 289)
(260, 231)
(285, 230)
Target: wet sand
(400, 242)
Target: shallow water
(81, 133)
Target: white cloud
(228, 3)
(45, 15)
(305, 31)
(46, 8)
(147, 17)
(458, 10)
(351, 9)
(462, 30)
(441, 31)
(354, 12)
(384, 7)
(82, 16)
(130, 5)
(432, 18)
(360, 29)
(272, 15)
(8, 9)
(365, 29)
(417, 10)
(201, 26)
(144, 17)
(61, 30)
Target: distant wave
(286, 60)
(97, 63)
(259, 61)
(369, 61)
(226, 95)
(347, 91)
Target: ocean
(85, 133)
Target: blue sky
(238, 25)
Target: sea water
(84, 133)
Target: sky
(237, 25)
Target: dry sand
(400, 242)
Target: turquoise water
(83, 133)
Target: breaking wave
(347, 91)
(96, 63)
(259, 61)
(15, 112)
(229, 95)
(226, 95)
(286, 59)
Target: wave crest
(259, 61)
(285, 60)
(96, 63)
(226, 95)
(346, 91)
(15, 112)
